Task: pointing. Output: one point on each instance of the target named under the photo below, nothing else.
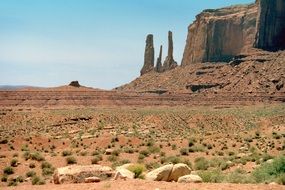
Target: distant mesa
(75, 84)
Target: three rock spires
(169, 62)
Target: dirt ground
(148, 185)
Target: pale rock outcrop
(220, 34)
(160, 174)
(78, 173)
(179, 170)
(271, 25)
(148, 55)
(124, 174)
(190, 179)
(169, 62)
(92, 180)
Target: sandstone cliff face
(221, 34)
(148, 55)
(271, 25)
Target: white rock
(178, 171)
(190, 179)
(160, 174)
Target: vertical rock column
(148, 55)
(158, 67)
(169, 62)
(270, 34)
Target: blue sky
(98, 42)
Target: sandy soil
(143, 185)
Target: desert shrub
(96, 159)
(14, 162)
(137, 169)
(47, 169)
(197, 148)
(170, 159)
(32, 165)
(129, 150)
(184, 151)
(120, 163)
(112, 158)
(239, 176)
(8, 170)
(269, 172)
(30, 173)
(71, 160)
(37, 156)
(116, 152)
(66, 153)
(152, 165)
(281, 179)
(25, 147)
(26, 155)
(12, 182)
(19, 179)
(266, 157)
(146, 153)
(37, 181)
(211, 176)
(191, 142)
(4, 178)
(153, 149)
(173, 146)
(201, 163)
(3, 141)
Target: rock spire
(148, 55)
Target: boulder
(160, 174)
(190, 179)
(178, 171)
(78, 173)
(74, 84)
(92, 180)
(123, 173)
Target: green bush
(153, 149)
(30, 173)
(8, 170)
(239, 176)
(184, 151)
(211, 176)
(71, 160)
(281, 179)
(269, 172)
(66, 153)
(201, 163)
(37, 156)
(137, 169)
(37, 181)
(4, 178)
(47, 169)
(170, 159)
(14, 162)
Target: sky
(100, 43)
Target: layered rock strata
(220, 34)
(271, 25)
